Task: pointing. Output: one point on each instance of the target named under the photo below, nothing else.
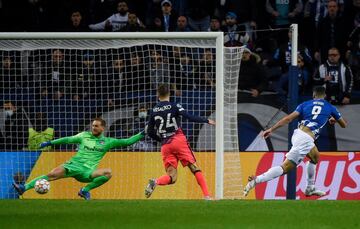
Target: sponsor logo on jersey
(94, 149)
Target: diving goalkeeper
(83, 166)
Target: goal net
(53, 85)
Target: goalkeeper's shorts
(177, 149)
(78, 171)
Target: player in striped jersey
(314, 114)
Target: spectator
(182, 25)
(246, 10)
(214, 25)
(56, 75)
(199, 12)
(303, 78)
(252, 76)
(187, 74)
(39, 133)
(283, 13)
(234, 34)
(282, 55)
(113, 83)
(207, 71)
(159, 69)
(336, 77)
(86, 77)
(353, 51)
(100, 9)
(10, 77)
(330, 33)
(132, 25)
(136, 79)
(318, 9)
(76, 23)
(116, 21)
(167, 19)
(14, 134)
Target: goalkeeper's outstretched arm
(76, 139)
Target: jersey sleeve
(181, 111)
(299, 108)
(335, 113)
(127, 141)
(76, 139)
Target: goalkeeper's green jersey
(92, 149)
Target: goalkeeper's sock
(310, 168)
(201, 181)
(270, 174)
(31, 184)
(163, 180)
(98, 181)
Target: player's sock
(270, 174)
(31, 184)
(98, 181)
(310, 168)
(163, 180)
(201, 181)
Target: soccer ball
(42, 186)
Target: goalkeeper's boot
(84, 194)
(20, 188)
(311, 191)
(250, 185)
(150, 188)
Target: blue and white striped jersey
(315, 113)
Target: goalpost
(70, 78)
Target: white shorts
(302, 143)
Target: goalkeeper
(83, 166)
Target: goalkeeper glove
(44, 144)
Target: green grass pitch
(68, 214)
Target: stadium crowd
(329, 48)
(323, 24)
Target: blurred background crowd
(329, 44)
(329, 54)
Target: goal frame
(217, 36)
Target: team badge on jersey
(101, 142)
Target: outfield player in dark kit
(164, 126)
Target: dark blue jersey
(164, 120)
(315, 113)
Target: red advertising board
(338, 174)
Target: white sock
(310, 168)
(270, 174)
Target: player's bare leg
(310, 190)
(100, 177)
(200, 180)
(272, 173)
(169, 178)
(56, 173)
